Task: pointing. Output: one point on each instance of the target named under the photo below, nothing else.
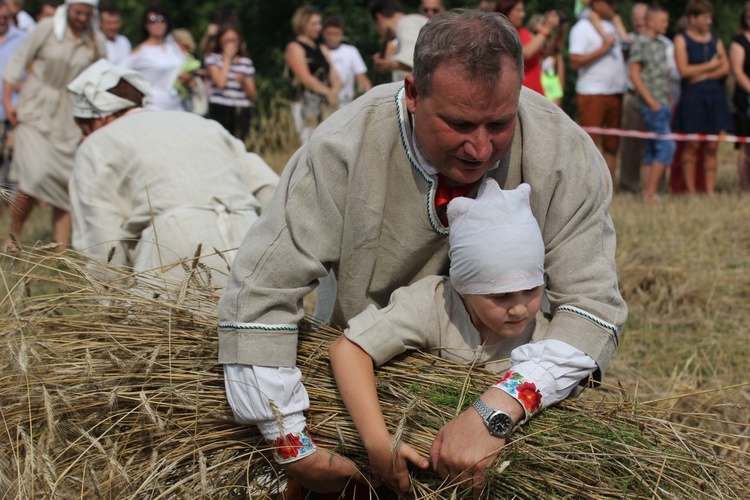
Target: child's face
(659, 22)
(332, 36)
(503, 315)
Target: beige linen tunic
(47, 136)
(430, 316)
(154, 185)
(354, 199)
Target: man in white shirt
(602, 76)
(118, 46)
(346, 59)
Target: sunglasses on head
(154, 18)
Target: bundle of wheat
(112, 390)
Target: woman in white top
(158, 59)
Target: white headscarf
(495, 242)
(91, 86)
(60, 19)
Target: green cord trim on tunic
(402, 116)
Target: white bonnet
(495, 242)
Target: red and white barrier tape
(673, 136)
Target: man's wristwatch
(499, 423)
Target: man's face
(111, 24)
(659, 22)
(463, 126)
(4, 19)
(638, 15)
(381, 24)
(79, 16)
(605, 10)
(332, 36)
(431, 8)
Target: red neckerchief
(445, 193)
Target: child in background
(481, 314)
(649, 72)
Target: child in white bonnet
(480, 314)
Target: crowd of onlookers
(636, 80)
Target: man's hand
(323, 472)
(464, 448)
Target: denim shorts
(660, 150)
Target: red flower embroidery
(508, 375)
(529, 396)
(287, 446)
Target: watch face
(500, 424)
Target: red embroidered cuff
(291, 447)
(522, 390)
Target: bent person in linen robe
(156, 185)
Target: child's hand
(391, 466)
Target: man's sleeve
(407, 322)
(577, 41)
(26, 52)
(98, 211)
(291, 246)
(571, 191)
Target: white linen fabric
(171, 175)
(91, 89)
(495, 242)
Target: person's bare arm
(363, 82)
(248, 85)
(693, 72)
(543, 31)
(722, 69)
(640, 87)
(578, 61)
(295, 59)
(10, 110)
(737, 61)
(355, 378)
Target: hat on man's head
(495, 242)
(91, 86)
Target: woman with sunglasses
(158, 59)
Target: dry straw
(110, 391)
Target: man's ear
(411, 93)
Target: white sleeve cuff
(271, 397)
